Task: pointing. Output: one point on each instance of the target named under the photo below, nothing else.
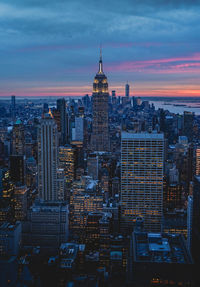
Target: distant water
(178, 107)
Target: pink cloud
(166, 65)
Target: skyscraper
(67, 159)
(17, 169)
(142, 179)
(47, 159)
(18, 140)
(127, 90)
(79, 129)
(197, 171)
(196, 221)
(100, 96)
(61, 107)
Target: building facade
(47, 159)
(18, 139)
(100, 96)
(142, 179)
(61, 107)
(46, 225)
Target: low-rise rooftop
(160, 248)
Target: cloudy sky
(51, 47)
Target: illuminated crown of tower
(100, 84)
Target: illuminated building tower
(172, 196)
(81, 204)
(197, 171)
(142, 157)
(172, 191)
(7, 187)
(47, 159)
(18, 138)
(97, 234)
(83, 199)
(127, 90)
(61, 107)
(105, 182)
(100, 96)
(67, 161)
(20, 202)
(2, 175)
(60, 184)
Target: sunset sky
(51, 47)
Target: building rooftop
(69, 250)
(20, 190)
(18, 122)
(142, 135)
(160, 248)
(68, 253)
(91, 184)
(41, 206)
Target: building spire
(100, 62)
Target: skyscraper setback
(142, 179)
(100, 96)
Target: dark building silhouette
(61, 107)
(17, 169)
(196, 221)
(127, 90)
(18, 139)
(188, 120)
(45, 108)
(155, 256)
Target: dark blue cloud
(57, 40)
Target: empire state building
(100, 96)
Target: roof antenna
(100, 61)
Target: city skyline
(52, 49)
